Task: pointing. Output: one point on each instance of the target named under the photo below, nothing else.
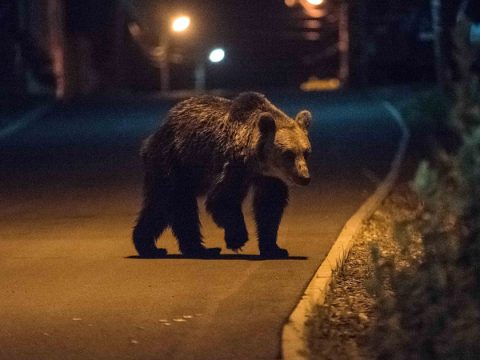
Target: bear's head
(285, 147)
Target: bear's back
(202, 130)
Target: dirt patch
(341, 327)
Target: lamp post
(343, 36)
(441, 68)
(343, 44)
(178, 24)
(215, 56)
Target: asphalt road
(71, 286)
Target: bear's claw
(237, 250)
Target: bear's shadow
(245, 257)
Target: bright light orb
(216, 55)
(315, 2)
(180, 23)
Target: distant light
(311, 36)
(216, 55)
(134, 29)
(313, 24)
(316, 84)
(180, 23)
(290, 3)
(315, 2)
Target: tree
(437, 28)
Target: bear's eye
(289, 155)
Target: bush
(428, 296)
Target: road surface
(71, 285)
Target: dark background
(267, 43)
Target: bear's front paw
(235, 240)
(274, 253)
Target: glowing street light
(314, 8)
(292, 3)
(160, 54)
(315, 2)
(180, 23)
(216, 55)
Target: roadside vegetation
(428, 302)
(415, 266)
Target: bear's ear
(304, 118)
(266, 123)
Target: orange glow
(180, 23)
(316, 84)
(315, 2)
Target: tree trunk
(343, 45)
(441, 68)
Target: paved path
(71, 288)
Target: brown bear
(220, 148)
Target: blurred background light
(315, 2)
(180, 23)
(153, 40)
(216, 55)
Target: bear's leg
(270, 199)
(224, 203)
(186, 224)
(150, 225)
(227, 214)
(152, 219)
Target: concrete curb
(294, 344)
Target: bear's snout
(302, 180)
(301, 175)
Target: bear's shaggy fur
(220, 148)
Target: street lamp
(159, 55)
(315, 2)
(292, 3)
(180, 23)
(314, 8)
(215, 56)
(317, 9)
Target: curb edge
(293, 342)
